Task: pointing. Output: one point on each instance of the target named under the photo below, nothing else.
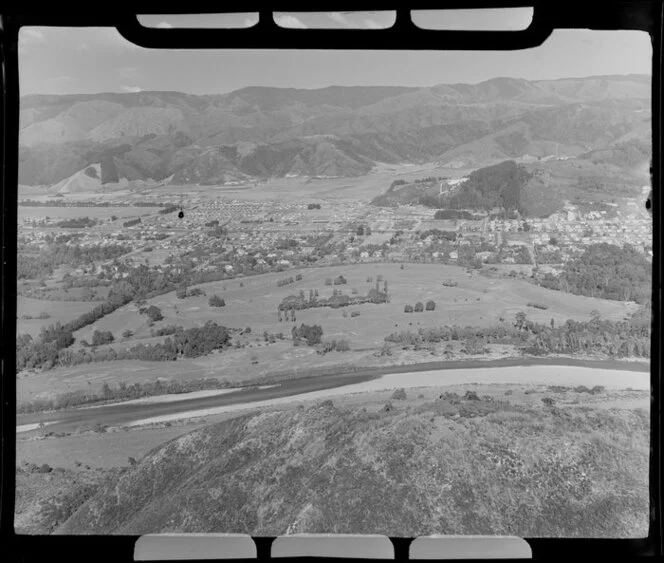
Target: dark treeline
(45, 352)
(606, 271)
(77, 223)
(189, 343)
(338, 299)
(630, 337)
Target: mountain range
(334, 131)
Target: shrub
(328, 281)
(399, 395)
(471, 396)
(408, 309)
(548, 401)
(431, 305)
(355, 314)
(154, 313)
(132, 461)
(298, 277)
(581, 389)
(216, 301)
(99, 337)
(127, 334)
(388, 407)
(340, 280)
(45, 468)
(509, 392)
(419, 307)
(596, 389)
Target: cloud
(131, 89)
(286, 20)
(164, 25)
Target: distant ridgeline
(497, 186)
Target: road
(120, 414)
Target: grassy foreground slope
(449, 466)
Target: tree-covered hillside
(494, 186)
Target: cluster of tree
(333, 346)
(313, 206)
(153, 312)
(170, 208)
(338, 299)
(494, 186)
(184, 293)
(216, 301)
(44, 352)
(607, 271)
(449, 214)
(285, 281)
(165, 331)
(76, 223)
(630, 337)
(437, 234)
(101, 337)
(190, 343)
(32, 263)
(131, 222)
(311, 334)
(548, 256)
(419, 307)
(538, 306)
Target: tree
(408, 309)
(216, 301)
(99, 337)
(419, 307)
(431, 305)
(520, 320)
(127, 334)
(154, 313)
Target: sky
(90, 60)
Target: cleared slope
(444, 466)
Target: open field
(63, 311)
(477, 301)
(29, 212)
(326, 189)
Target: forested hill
(500, 185)
(494, 186)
